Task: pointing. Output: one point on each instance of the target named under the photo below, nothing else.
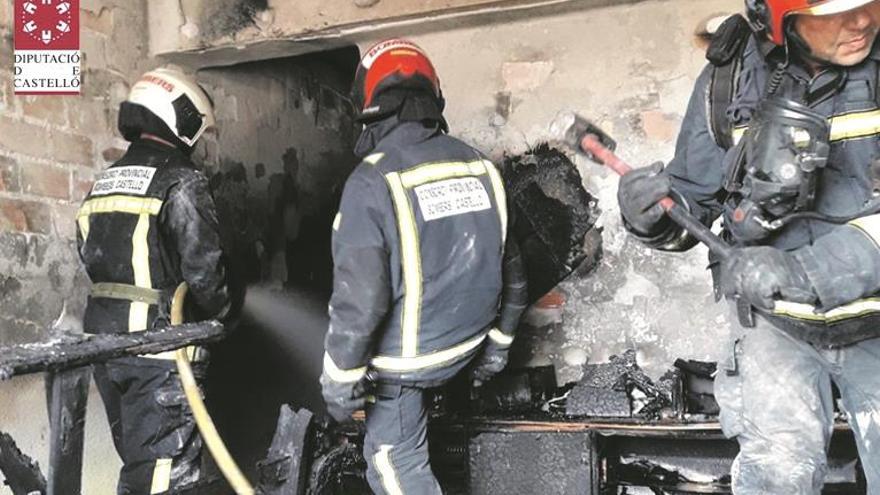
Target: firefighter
(148, 224)
(779, 140)
(427, 283)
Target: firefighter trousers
(775, 396)
(396, 442)
(151, 423)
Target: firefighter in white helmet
(148, 224)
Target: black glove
(760, 275)
(343, 398)
(638, 194)
(491, 361)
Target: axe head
(570, 128)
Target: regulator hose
(215, 444)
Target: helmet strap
(153, 137)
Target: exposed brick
(9, 176)
(25, 216)
(82, 184)
(71, 148)
(45, 180)
(24, 138)
(50, 108)
(99, 20)
(112, 154)
(64, 218)
(5, 93)
(5, 15)
(90, 116)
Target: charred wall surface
(630, 69)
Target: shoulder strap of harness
(725, 54)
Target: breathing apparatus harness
(772, 180)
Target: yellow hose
(206, 426)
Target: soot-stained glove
(343, 398)
(638, 194)
(763, 274)
(491, 361)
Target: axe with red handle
(585, 137)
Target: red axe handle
(679, 215)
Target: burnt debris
(22, 473)
(620, 388)
(71, 351)
(283, 471)
(553, 217)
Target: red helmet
(768, 16)
(393, 63)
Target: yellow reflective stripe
(500, 197)
(83, 222)
(847, 126)
(337, 221)
(391, 363)
(374, 158)
(120, 204)
(161, 476)
(340, 375)
(140, 264)
(500, 337)
(855, 125)
(738, 133)
(382, 460)
(410, 258)
(806, 312)
(433, 172)
(869, 225)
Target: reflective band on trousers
(400, 364)
(845, 126)
(410, 252)
(161, 476)
(390, 482)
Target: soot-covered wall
(277, 167)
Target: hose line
(206, 426)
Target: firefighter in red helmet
(779, 139)
(427, 283)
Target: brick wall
(51, 147)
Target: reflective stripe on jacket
(418, 249)
(148, 224)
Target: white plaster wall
(631, 69)
(23, 415)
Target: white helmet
(177, 100)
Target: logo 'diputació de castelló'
(47, 56)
